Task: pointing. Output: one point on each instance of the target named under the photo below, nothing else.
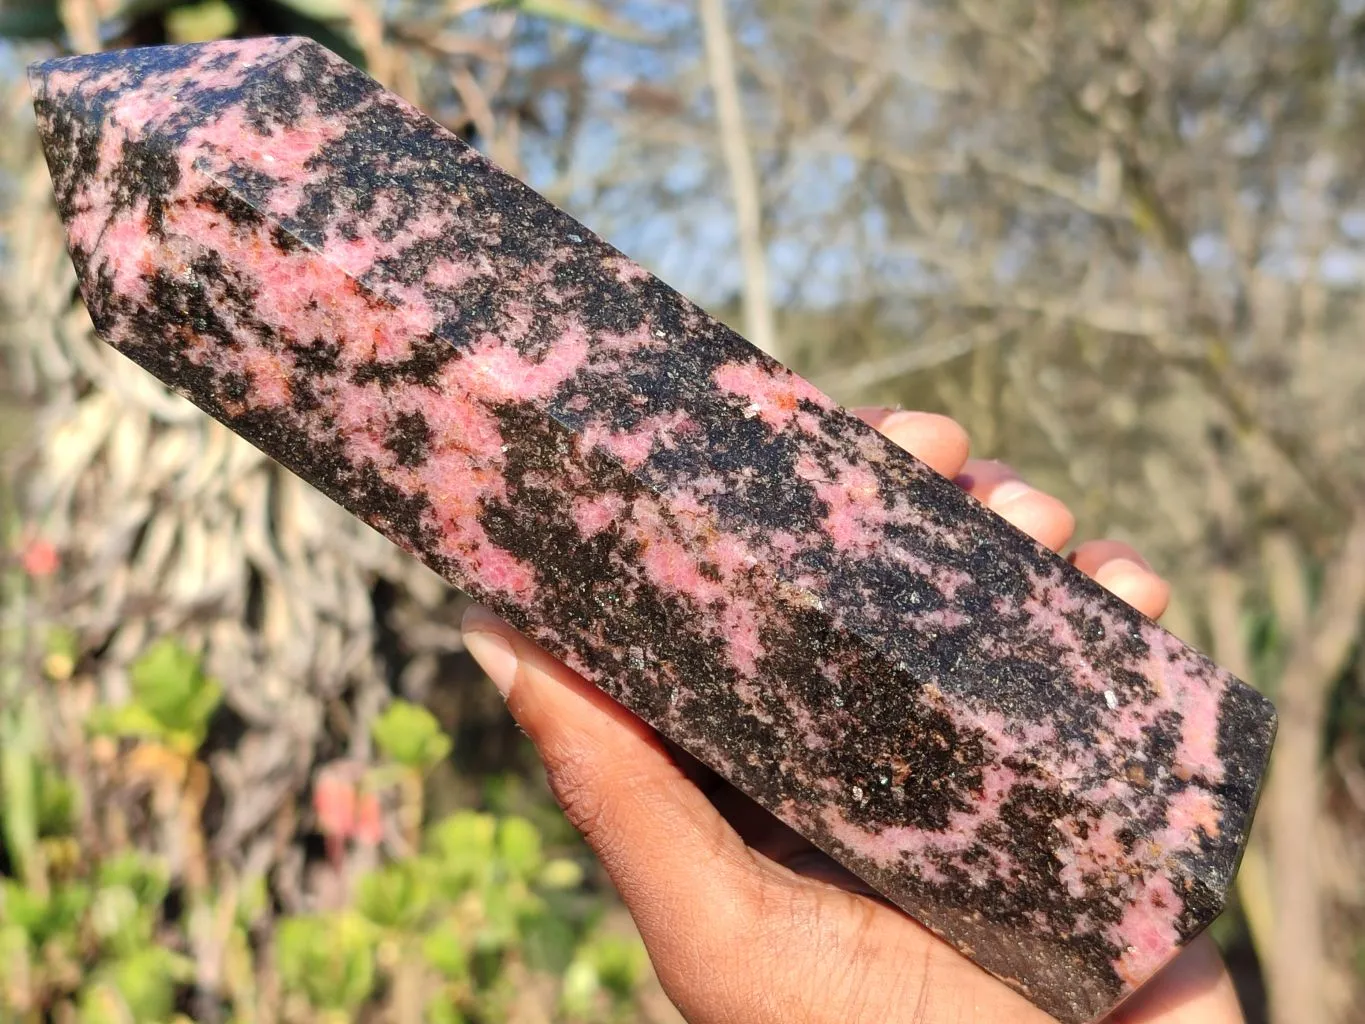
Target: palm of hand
(745, 921)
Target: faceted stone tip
(1044, 777)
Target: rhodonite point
(1038, 773)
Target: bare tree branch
(759, 322)
(1295, 792)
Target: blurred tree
(1125, 244)
(1128, 240)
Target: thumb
(688, 880)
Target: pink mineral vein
(1036, 772)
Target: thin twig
(759, 322)
(910, 360)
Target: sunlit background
(246, 774)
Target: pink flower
(39, 558)
(345, 810)
(369, 820)
(334, 800)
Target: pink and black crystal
(1038, 773)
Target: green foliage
(92, 943)
(328, 959)
(459, 914)
(140, 986)
(20, 786)
(172, 700)
(94, 937)
(398, 896)
(608, 966)
(443, 948)
(42, 916)
(198, 23)
(411, 736)
(519, 847)
(451, 922)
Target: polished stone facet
(1038, 773)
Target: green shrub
(447, 928)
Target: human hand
(744, 920)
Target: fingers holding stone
(695, 890)
(1121, 570)
(647, 822)
(996, 485)
(938, 441)
(943, 444)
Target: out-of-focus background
(246, 774)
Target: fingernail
(898, 418)
(495, 656)
(1010, 490)
(1119, 568)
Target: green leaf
(620, 963)
(62, 640)
(463, 832)
(43, 917)
(579, 989)
(463, 845)
(147, 877)
(131, 721)
(199, 708)
(61, 650)
(30, 19)
(22, 739)
(100, 1004)
(444, 949)
(170, 688)
(19, 805)
(327, 959)
(199, 23)
(410, 735)
(547, 942)
(326, 10)
(560, 874)
(127, 904)
(582, 14)
(519, 846)
(253, 901)
(398, 896)
(145, 983)
(21, 907)
(163, 678)
(501, 921)
(56, 804)
(114, 915)
(442, 1010)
